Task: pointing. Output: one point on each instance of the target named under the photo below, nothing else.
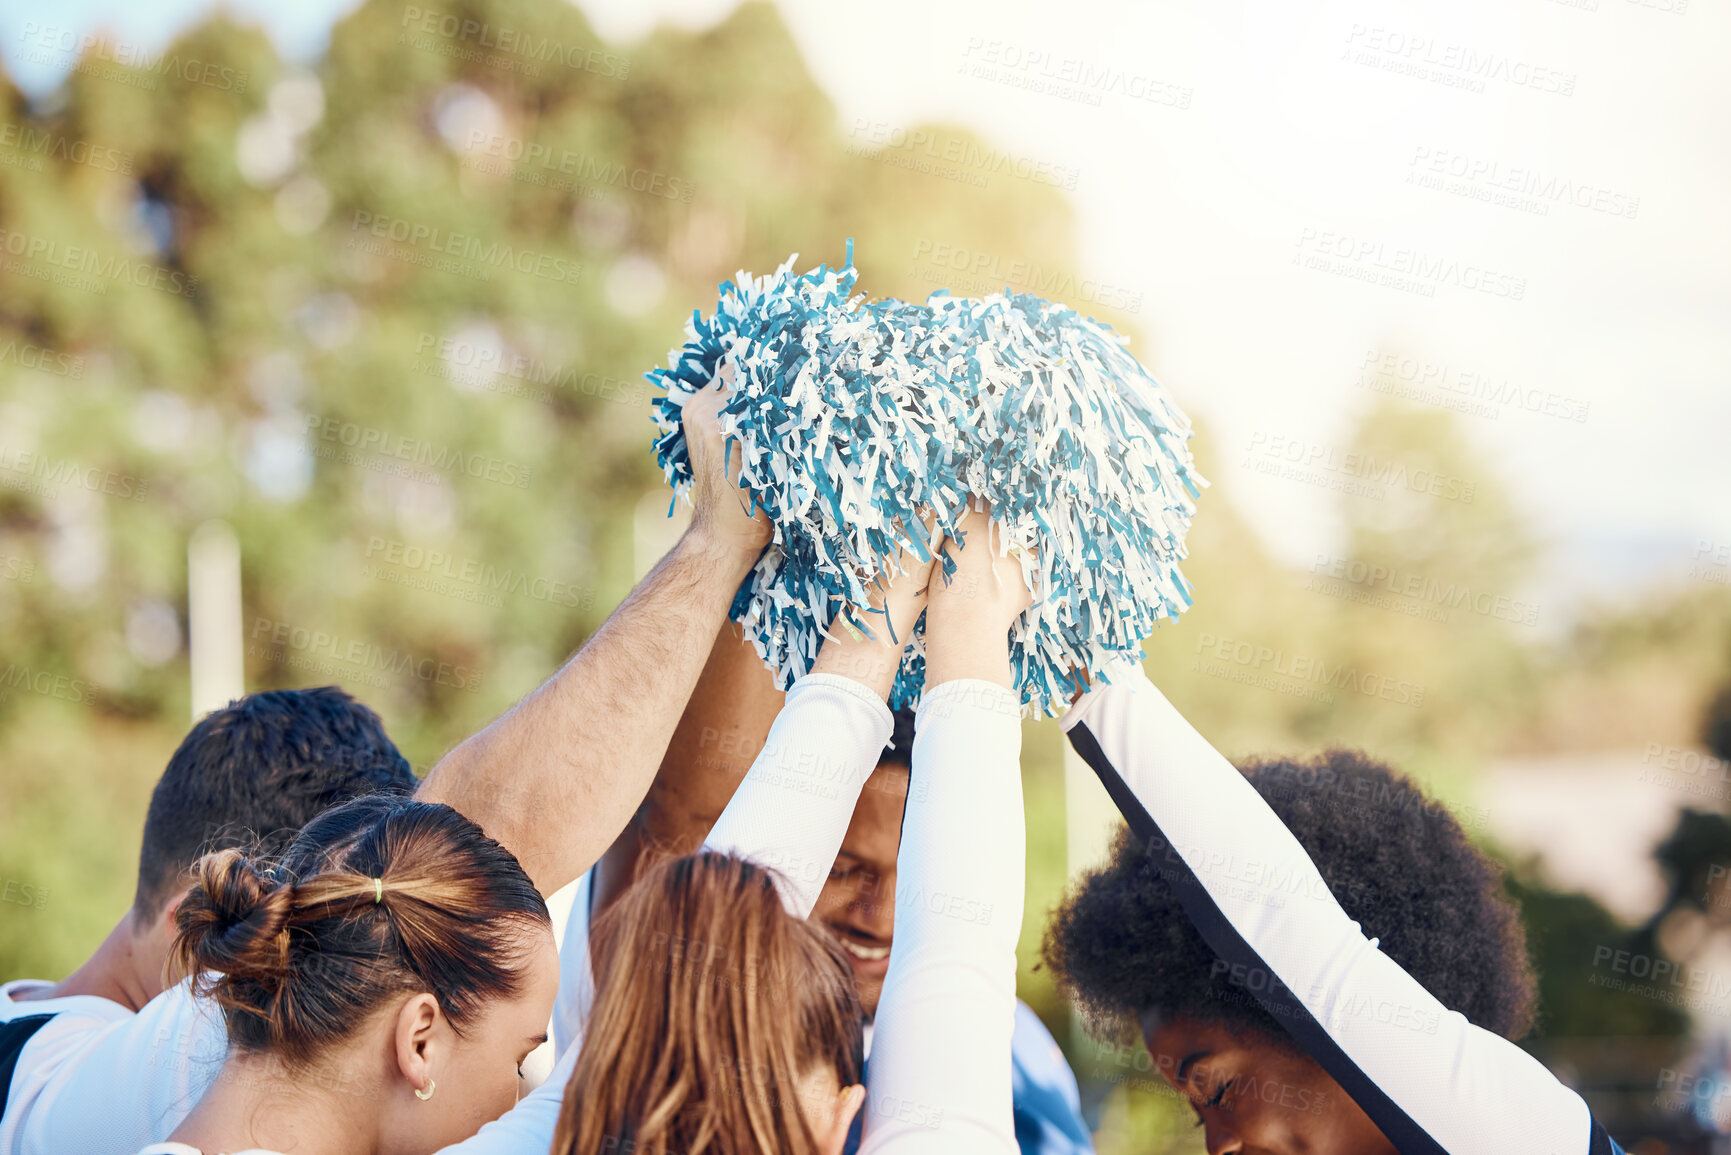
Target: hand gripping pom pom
(858, 422)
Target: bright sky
(1543, 180)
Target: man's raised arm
(557, 776)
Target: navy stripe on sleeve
(13, 1035)
(1217, 930)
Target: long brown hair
(379, 896)
(711, 1002)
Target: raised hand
(968, 617)
(866, 646)
(719, 504)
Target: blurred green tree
(389, 319)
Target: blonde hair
(712, 1001)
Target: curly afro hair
(1397, 862)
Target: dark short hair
(1395, 860)
(900, 751)
(253, 773)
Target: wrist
(731, 554)
(872, 662)
(970, 653)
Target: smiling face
(858, 903)
(1253, 1096)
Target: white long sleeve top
(940, 1077)
(1456, 1089)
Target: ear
(847, 1105)
(171, 908)
(416, 1022)
(152, 937)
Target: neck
(111, 973)
(637, 847)
(257, 1102)
(617, 869)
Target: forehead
(875, 832)
(1172, 1038)
(890, 778)
(541, 979)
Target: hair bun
(234, 920)
(296, 963)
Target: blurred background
(354, 300)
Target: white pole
(214, 618)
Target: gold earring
(425, 1093)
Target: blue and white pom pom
(853, 419)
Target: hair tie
(378, 891)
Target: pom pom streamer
(857, 423)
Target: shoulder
(1047, 1101)
(15, 1005)
(12, 995)
(50, 1031)
(1035, 1050)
